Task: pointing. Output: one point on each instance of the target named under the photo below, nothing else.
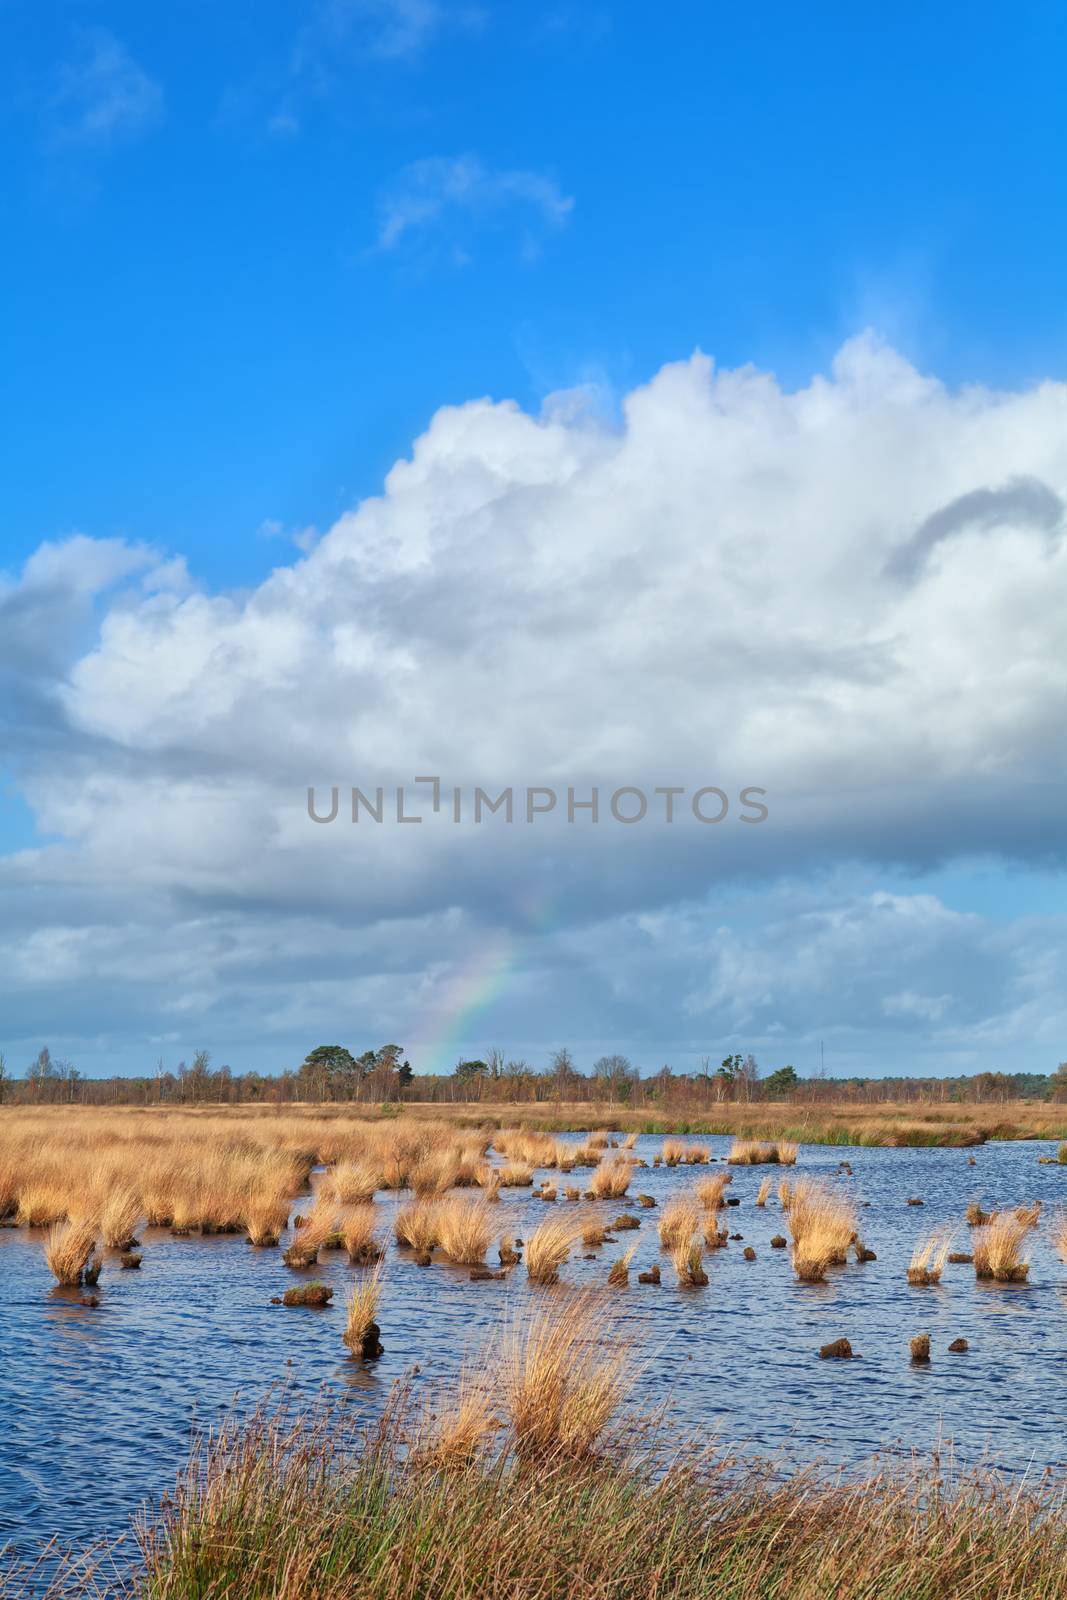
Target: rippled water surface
(98, 1403)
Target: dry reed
(69, 1251)
(686, 1259)
(612, 1178)
(929, 1257)
(679, 1220)
(464, 1230)
(998, 1250)
(549, 1246)
(361, 1328)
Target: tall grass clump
(487, 1177)
(119, 1216)
(464, 1230)
(823, 1225)
(758, 1152)
(715, 1238)
(619, 1271)
(452, 1433)
(549, 1246)
(686, 1259)
(563, 1378)
(320, 1225)
(593, 1230)
(352, 1183)
(515, 1175)
(710, 1191)
(415, 1225)
(358, 1236)
(435, 1173)
(679, 1220)
(41, 1203)
(69, 1251)
(265, 1220)
(612, 1178)
(361, 1329)
(997, 1249)
(929, 1257)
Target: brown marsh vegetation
(760, 1152)
(533, 1477)
(929, 1257)
(823, 1225)
(551, 1395)
(998, 1249)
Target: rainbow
(463, 997)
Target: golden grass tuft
(358, 1236)
(619, 1272)
(612, 1178)
(563, 1379)
(487, 1177)
(307, 1241)
(69, 1250)
(464, 1230)
(119, 1216)
(759, 1152)
(679, 1220)
(549, 1246)
(352, 1183)
(452, 1435)
(265, 1219)
(715, 1238)
(686, 1259)
(998, 1250)
(41, 1203)
(929, 1257)
(710, 1191)
(434, 1173)
(810, 1260)
(593, 1230)
(515, 1175)
(764, 1192)
(361, 1328)
(415, 1225)
(822, 1222)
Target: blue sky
(253, 249)
(196, 308)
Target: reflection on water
(99, 1401)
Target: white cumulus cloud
(851, 594)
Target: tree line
(383, 1075)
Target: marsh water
(99, 1402)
